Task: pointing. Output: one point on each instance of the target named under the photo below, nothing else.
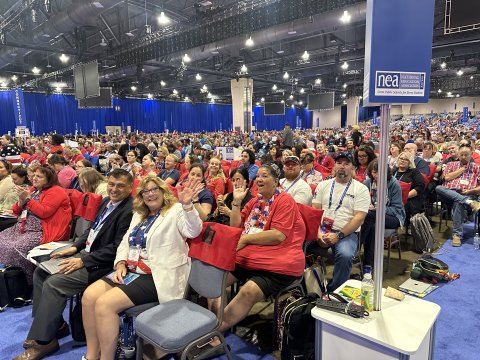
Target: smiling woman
(154, 250)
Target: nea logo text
(388, 80)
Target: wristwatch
(340, 235)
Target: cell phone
(208, 235)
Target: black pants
(368, 234)
(5, 223)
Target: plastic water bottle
(368, 287)
(476, 241)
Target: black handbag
(14, 289)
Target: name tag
(133, 257)
(23, 215)
(463, 182)
(90, 240)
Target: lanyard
(144, 227)
(400, 178)
(311, 172)
(358, 173)
(341, 199)
(166, 174)
(101, 219)
(293, 183)
(468, 171)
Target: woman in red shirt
(363, 156)
(216, 178)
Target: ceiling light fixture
(3, 84)
(186, 98)
(300, 102)
(186, 58)
(344, 65)
(471, 77)
(175, 92)
(286, 76)
(258, 104)
(302, 90)
(293, 106)
(318, 81)
(344, 85)
(443, 65)
(346, 17)
(459, 73)
(291, 97)
(133, 88)
(439, 91)
(282, 101)
(150, 96)
(163, 19)
(58, 89)
(163, 83)
(103, 42)
(14, 78)
(274, 87)
(262, 99)
(64, 58)
(198, 77)
(244, 69)
(305, 55)
(249, 42)
(458, 95)
(36, 70)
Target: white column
(406, 109)
(242, 91)
(352, 110)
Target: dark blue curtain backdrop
(301, 118)
(366, 113)
(60, 113)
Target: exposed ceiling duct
(325, 21)
(79, 13)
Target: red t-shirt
(285, 258)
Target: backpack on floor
(75, 318)
(422, 233)
(13, 287)
(298, 333)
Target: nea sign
(387, 80)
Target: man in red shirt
(459, 190)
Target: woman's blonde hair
(409, 156)
(220, 173)
(91, 178)
(168, 198)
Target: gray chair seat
(175, 324)
(137, 310)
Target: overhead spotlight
(471, 77)
(345, 102)
(344, 96)
(3, 84)
(305, 55)
(262, 99)
(300, 102)
(282, 101)
(293, 106)
(286, 76)
(344, 65)
(274, 87)
(244, 68)
(36, 70)
(249, 42)
(64, 58)
(58, 89)
(209, 95)
(258, 104)
(186, 58)
(458, 95)
(14, 78)
(175, 92)
(459, 73)
(291, 97)
(439, 91)
(163, 19)
(344, 85)
(163, 83)
(149, 96)
(198, 77)
(346, 17)
(449, 93)
(443, 65)
(318, 81)
(302, 90)
(103, 42)
(133, 88)
(186, 98)
(212, 100)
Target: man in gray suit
(90, 258)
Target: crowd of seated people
(178, 181)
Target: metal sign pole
(381, 204)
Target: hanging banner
(19, 108)
(394, 29)
(465, 114)
(374, 119)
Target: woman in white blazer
(154, 252)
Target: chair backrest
(433, 170)
(312, 218)
(405, 190)
(207, 280)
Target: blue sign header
(19, 108)
(398, 51)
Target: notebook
(415, 286)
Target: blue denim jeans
(458, 203)
(344, 251)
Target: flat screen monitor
(462, 15)
(274, 108)
(86, 81)
(323, 101)
(102, 101)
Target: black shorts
(269, 282)
(140, 291)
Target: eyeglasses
(404, 159)
(362, 156)
(152, 191)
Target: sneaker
(475, 205)
(456, 241)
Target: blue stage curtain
(297, 118)
(7, 115)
